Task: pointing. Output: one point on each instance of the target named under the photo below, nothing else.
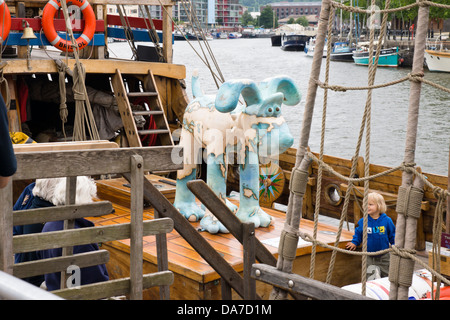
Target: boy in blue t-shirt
(380, 234)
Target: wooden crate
(445, 261)
(118, 190)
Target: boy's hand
(350, 246)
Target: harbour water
(257, 60)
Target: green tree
(302, 21)
(247, 19)
(291, 21)
(266, 18)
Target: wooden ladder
(146, 91)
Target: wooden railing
(72, 163)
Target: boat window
(333, 194)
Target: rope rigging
(83, 113)
(216, 77)
(408, 204)
(127, 29)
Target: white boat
(310, 48)
(437, 58)
(234, 35)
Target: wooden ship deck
(194, 278)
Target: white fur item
(54, 190)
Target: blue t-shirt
(8, 163)
(380, 233)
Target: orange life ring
(5, 25)
(48, 15)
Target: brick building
(284, 10)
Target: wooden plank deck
(194, 277)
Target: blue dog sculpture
(224, 126)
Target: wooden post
(137, 216)
(22, 51)
(248, 235)
(405, 233)
(167, 33)
(6, 229)
(71, 190)
(163, 261)
(357, 214)
(14, 108)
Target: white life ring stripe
(84, 6)
(85, 37)
(54, 4)
(55, 41)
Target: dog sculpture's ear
(228, 95)
(283, 84)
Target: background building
(209, 13)
(284, 10)
(228, 12)
(127, 10)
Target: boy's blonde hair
(379, 200)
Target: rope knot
(422, 3)
(408, 167)
(337, 88)
(416, 77)
(319, 83)
(403, 252)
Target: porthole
(333, 194)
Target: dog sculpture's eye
(277, 111)
(270, 110)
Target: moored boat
(311, 44)
(389, 57)
(437, 57)
(293, 42)
(342, 52)
(275, 40)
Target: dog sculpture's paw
(264, 218)
(255, 215)
(212, 225)
(231, 206)
(190, 211)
